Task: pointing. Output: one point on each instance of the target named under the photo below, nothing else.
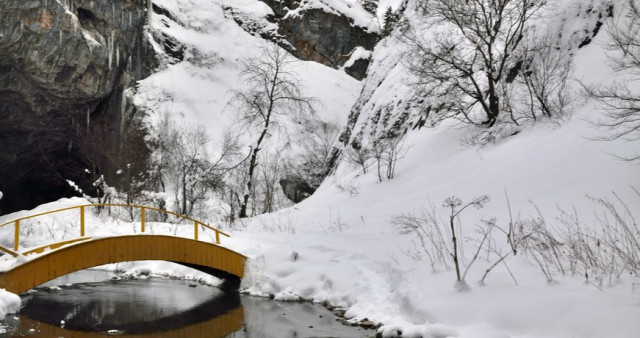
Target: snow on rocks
(287, 295)
(9, 303)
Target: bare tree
(188, 158)
(620, 101)
(268, 196)
(182, 166)
(470, 53)
(360, 156)
(387, 152)
(545, 75)
(273, 93)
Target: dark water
(88, 304)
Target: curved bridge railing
(16, 223)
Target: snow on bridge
(57, 259)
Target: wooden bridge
(57, 259)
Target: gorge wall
(64, 66)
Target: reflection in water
(158, 307)
(133, 306)
(218, 327)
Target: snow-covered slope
(340, 245)
(390, 104)
(198, 89)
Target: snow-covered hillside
(554, 181)
(340, 245)
(198, 89)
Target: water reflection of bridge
(169, 309)
(218, 327)
(58, 259)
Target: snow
(338, 247)
(9, 303)
(199, 89)
(363, 268)
(358, 53)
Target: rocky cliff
(64, 68)
(314, 31)
(389, 105)
(69, 68)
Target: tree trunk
(494, 105)
(252, 166)
(184, 194)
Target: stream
(89, 303)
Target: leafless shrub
(359, 156)
(387, 152)
(605, 251)
(348, 187)
(283, 223)
(431, 233)
(335, 224)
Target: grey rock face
(317, 35)
(296, 188)
(63, 68)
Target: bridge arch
(209, 258)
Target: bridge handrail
(142, 208)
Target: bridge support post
(195, 230)
(16, 236)
(82, 221)
(142, 219)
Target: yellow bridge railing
(143, 209)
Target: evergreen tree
(390, 19)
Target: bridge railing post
(16, 236)
(82, 221)
(217, 237)
(195, 230)
(142, 212)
